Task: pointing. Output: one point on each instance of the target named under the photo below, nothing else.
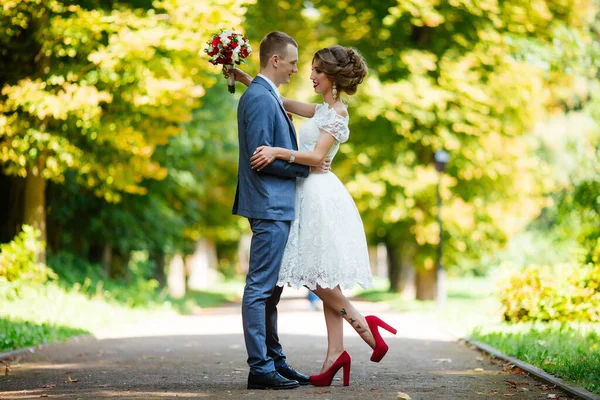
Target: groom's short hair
(274, 43)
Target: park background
(118, 161)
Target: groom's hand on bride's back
(323, 168)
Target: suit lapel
(292, 129)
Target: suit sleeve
(259, 130)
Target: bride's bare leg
(335, 336)
(335, 300)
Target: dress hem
(295, 285)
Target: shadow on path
(204, 365)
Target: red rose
(216, 41)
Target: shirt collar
(270, 82)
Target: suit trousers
(261, 295)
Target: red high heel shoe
(380, 346)
(326, 377)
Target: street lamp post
(441, 159)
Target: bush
(18, 259)
(77, 274)
(562, 293)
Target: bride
(327, 247)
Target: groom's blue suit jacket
(262, 120)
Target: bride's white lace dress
(327, 244)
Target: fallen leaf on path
(553, 396)
(508, 394)
(403, 396)
(71, 380)
(479, 358)
(43, 395)
(478, 370)
(548, 387)
(442, 360)
(6, 370)
(514, 370)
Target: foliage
(103, 97)
(472, 302)
(471, 77)
(16, 333)
(139, 292)
(96, 89)
(81, 301)
(193, 200)
(563, 293)
(18, 259)
(571, 352)
(450, 75)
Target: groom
(266, 198)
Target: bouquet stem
(231, 78)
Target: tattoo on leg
(344, 311)
(352, 321)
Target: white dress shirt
(272, 85)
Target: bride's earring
(334, 91)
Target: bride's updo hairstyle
(343, 66)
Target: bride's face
(321, 83)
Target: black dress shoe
(270, 380)
(288, 372)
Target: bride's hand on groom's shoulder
(240, 76)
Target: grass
(571, 352)
(15, 333)
(471, 302)
(35, 314)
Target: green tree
(95, 87)
(464, 76)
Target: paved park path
(203, 357)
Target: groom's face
(288, 65)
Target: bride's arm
(265, 155)
(240, 76)
(294, 106)
(298, 107)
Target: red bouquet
(228, 48)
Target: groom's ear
(275, 60)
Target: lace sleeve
(333, 123)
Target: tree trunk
(119, 266)
(202, 265)
(382, 261)
(176, 277)
(401, 268)
(106, 260)
(34, 209)
(11, 206)
(426, 284)
(158, 257)
(373, 259)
